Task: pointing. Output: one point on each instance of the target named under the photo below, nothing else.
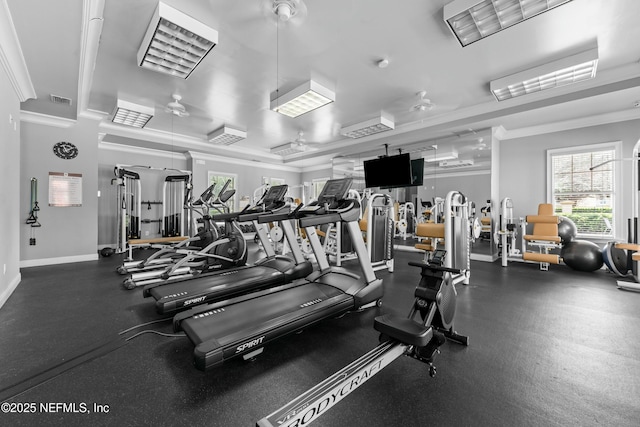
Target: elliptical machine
(213, 252)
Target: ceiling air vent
(60, 100)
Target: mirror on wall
(461, 163)
(345, 167)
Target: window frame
(616, 146)
(315, 181)
(234, 184)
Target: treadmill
(243, 325)
(270, 271)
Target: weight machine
(506, 235)
(454, 230)
(378, 225)
(176, 216)
(406, 224)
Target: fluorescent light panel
(472, 20)
(288, 148)
(369, 127)
(226, 135)
(439, 155)
(306, 97)
(455, 163)
(572, 69)
(130, 114)
(175, 43)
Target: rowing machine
(435, 304)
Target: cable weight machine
(176, 217)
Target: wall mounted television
(417, 172)
(388, 172)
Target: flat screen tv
(391, 171)
(417, 172)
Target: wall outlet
(4, 270)
(146, 232)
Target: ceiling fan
(423, 103)
(291, 11)
(301, 142)
(175, 108)
(480, 144)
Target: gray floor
(552, 348)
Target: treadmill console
(333, 201)
(275, 193)
(333, 193)
(272, 199)
(335, 190)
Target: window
(272, 181)
(583, 183)
(220, 179)
(318, 185)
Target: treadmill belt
(239, 328)
(176, 296)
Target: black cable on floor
(58, 368)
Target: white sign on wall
(65, 189)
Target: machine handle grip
(435, 267)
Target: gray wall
(523, 164)
(12, 211)
(67, 233)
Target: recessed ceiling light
(289, 148)
(369, 127)
(306, 97)
(175, 43)
(130, 114)
(472, 20)
(566, 71)
(226, 135)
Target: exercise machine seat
(362, 223)
(430, 230)
(424, 247)
(403, 329)
(545, 225)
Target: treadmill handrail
(313, 220)
(252, 216)
(279, 216)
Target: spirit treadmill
(243, 325)
(270, 271)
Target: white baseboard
(59, 260)
(4, 296)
